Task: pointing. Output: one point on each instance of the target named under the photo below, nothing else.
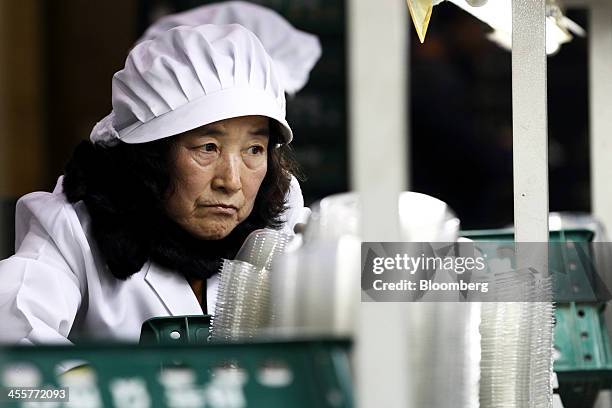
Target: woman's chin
(212, 232)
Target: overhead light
(498, 15)
(476, 3)
(555, 36)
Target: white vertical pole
(600, 94)
(378, 67)
(377, 84)
(530, 171)
(529, 121)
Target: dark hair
(124, 188)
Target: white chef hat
(189, 77)
(294, 52)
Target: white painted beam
(529, 121)
(600, 100)
(600, 111)
(377, 105)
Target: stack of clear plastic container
(422, 218)
(316, 289)
(236, 311)
(444, 355)
(516, 342)
(262, 247)
(542, 345)
(243, 297)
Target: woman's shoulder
(51, 213)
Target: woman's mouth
(223, 209)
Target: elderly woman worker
(190, 161)
(293, 51)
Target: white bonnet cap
(189, 77)
(294, 52)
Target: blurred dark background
(461, 100)
(58, 59)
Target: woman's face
(219, 168)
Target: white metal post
(378, 69)
(600, 110)
(600, 95)
(529, 121)
(530, 170)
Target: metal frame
(600, 94)
(378, 33)
(529, 121)
(600, 125)
(600, 112)
(377, 46)
(378, 114)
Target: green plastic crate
(300, 374)
(175, 330)
(575, 278)
(507, 234)
(583, 360)
(580, 338)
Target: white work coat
(56, 286)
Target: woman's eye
(256, 150)
(209, 147)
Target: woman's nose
(227, 174)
